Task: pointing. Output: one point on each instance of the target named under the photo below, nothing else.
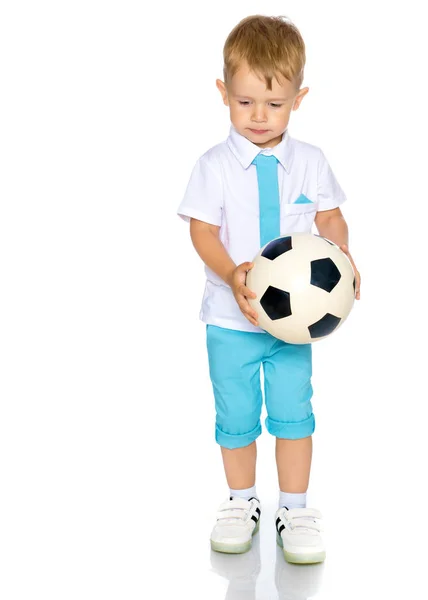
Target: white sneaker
(237, 522)
(298, 533)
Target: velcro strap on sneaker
(297, 523)
(235, 503)
(237, 508)
(232, 514)
(302, 512)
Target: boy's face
(253, 108)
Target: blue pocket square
(302, 199)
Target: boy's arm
(206, 240)
(332, 225)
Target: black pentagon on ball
(277, 247)
(324, 274)
(324, 326)
(276, 303)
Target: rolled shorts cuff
(291, 431)
(232, 441)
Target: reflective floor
(364, 560)
(263, 573)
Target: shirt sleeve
(330, 194)
(203, 199)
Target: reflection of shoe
(297, 582)
(237, 522)
(241, 570)
(298, 533)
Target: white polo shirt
(223, 190)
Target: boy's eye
(244, 103)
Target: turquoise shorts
(235, 359)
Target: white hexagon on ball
(305, 287)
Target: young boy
(231, 216)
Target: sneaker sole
(300, 559)
(234, 548)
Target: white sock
(292, 500)
(246, 494)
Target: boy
(234, 209)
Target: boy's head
(264, 59)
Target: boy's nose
(259, 115)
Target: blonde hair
(269, 45)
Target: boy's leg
(288, 389)
(240, 466)
(293, 460)
(234, 363)
(288, 393)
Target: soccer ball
(305, 287)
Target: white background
(109, 473)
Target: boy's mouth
(260, 131)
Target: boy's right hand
(242, 293)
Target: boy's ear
(223, 91)
(300, 95)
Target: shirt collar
(245, 151)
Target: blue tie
(269, 206)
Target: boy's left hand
(345, 249)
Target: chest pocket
(298, 218)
